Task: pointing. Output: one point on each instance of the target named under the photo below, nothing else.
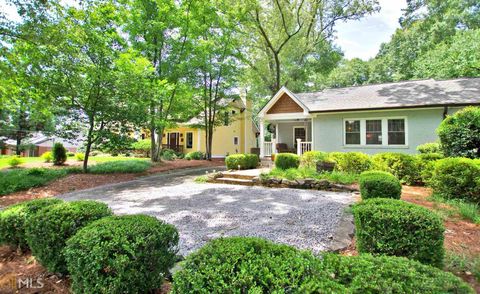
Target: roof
(407, 94)
(39, 139)
(199, 119)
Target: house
(38, 144)
(237, 134)
(376, 118)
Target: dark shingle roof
(394, 95)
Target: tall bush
(49, 229)
(457, 178)
(404, 166)
(460, 133)
(59, 154)
(116, 253)
(287, 160)
(395, 227)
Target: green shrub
(352, 162)
(378, 184)
(457, 178)
(403, 166)
(23, 179)
(309, 159)
(460, 133)
(287, 160)
(390, 274)
(395, 227)
(49, 229)
(14, 219)
(47, 156)
(168, 154)
(15, 161)
(70, 154)
(426, 164)
(244, 161)
(59, 154)
(428, 148)
(251, 265)
(120, 166)
(79, 156)
(116, 253)
(195, 155)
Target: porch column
(274, 145)
(262, 139)
(299, 146)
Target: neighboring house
(237, 134)
(39, 144)
(393, 117)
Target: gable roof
(277, 97)
(407, 94)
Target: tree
(279, 29)
(460, 133)
(354, 72)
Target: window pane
(396, 132)
(352, 132)
(374, 132)
(189, 140)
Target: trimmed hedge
(404, 166)
(244, 161)
(455, 178)
(195, 155)
(287, 160)
(395, 227)
(352, 162)
(378, 184)
(426, 164)
(428, 148)
(116, 253)
(14, 219)
(251, 265)
(49, 229)
(309, 159)
(390, 274)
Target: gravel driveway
(305, 219)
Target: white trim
(280, 116)
(315, 114)
(277, 96)
(245, 129)
(198, 139)
(298, 127)
(363, 132)
(219, 156)
(186, 139)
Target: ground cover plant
(120, 166)
(304, 172)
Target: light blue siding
(421, 125)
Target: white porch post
(274, 145)
(262, 139)
(299, 147)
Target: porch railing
(303, 147)
(267, 148)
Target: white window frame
(363, 132)
(236, 139)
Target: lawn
(4, 160)
(93, 159)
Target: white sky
(360, 39)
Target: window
(234, 112)
(374, 132)
(235, 140)
(352, 132)
(189, 140)
(396, 132)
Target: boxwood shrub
(378, 184)
(389, 274)
(395, 227)
(404, 166)
(352, 162)
(116, 253)
(195, 155)
(244, 161)
(287, 160)
(457, 178)
(309, 159)
(251, 265)
(426, 164)
(48, 229)
(14, 219)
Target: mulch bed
(75, 182)
(461, 237)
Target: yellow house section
(237, 137)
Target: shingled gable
(283, 102)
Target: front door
(173, 140)
(299, 133)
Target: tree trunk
(89, 146)
(19, 142)
(158, 149)
(277, 73)
(210, 141)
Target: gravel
(303, 218)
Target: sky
(362, 38)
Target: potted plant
(273, 156)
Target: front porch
(282, 136)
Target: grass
(201, 179)
(304, 172)
(4, 160)
(458, 263)
(100, 159)
(23, 179)
(468, 211)
(97, 159)
(121, 166)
